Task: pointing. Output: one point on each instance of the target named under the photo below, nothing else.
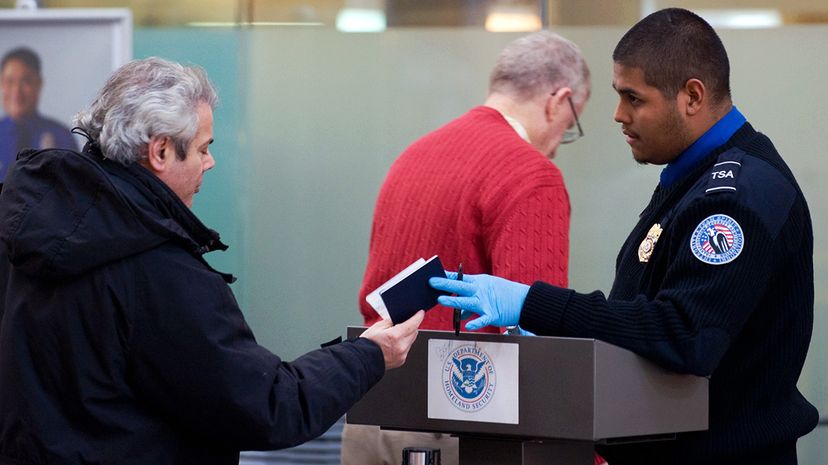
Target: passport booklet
(408, 291)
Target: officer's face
(21, 89)
(651, 123)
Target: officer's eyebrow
(623, 90)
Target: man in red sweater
(509, 214)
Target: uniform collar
(715, 137)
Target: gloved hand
(517, 331)
(523, 332)
(498, 301)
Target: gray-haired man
(118, 342)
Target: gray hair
(144, 99)
(540, 62)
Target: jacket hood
(63, 213)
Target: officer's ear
(160, 151)
(695, 96)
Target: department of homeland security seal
(717, 240)
(469, 378)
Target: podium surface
(568, 390)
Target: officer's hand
(498, 301)
(394, 340)
(523, 332)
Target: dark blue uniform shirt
(34, 132)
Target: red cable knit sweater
(473, 192)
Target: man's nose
(620, 116)
(209, 162)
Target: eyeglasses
(574, 132)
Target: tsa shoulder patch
(722, 177)
(717, 240)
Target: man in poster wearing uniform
(22, 126)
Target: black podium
(570, 394)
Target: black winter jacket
(119, 344)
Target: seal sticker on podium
(469, 378)
(473, 380)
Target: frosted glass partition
(311, 120)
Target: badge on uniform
(645, 250)
(717, 240)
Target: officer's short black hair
(24, 54)
(672, 46)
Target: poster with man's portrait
(52, 63)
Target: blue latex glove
(517, 331)
(498, 301)
(523, 332)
